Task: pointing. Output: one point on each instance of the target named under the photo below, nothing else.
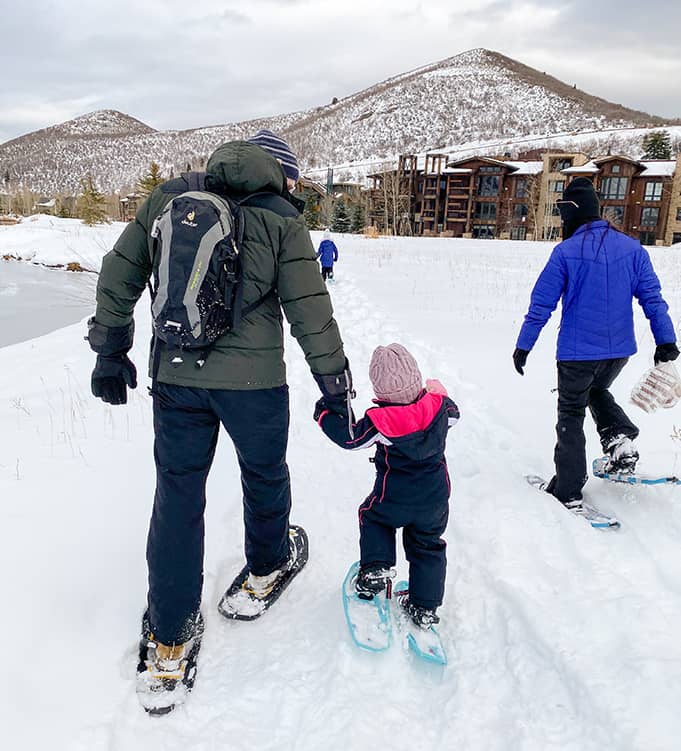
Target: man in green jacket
(242, 386)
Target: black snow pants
(327, 272)
(583, 384)
(186, 426)
(420, 505)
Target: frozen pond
(35, 300)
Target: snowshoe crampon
(248, 597)
(166, 674)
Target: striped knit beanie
(394, 374)
(279, 149)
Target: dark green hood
(242, 167)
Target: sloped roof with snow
(526, 168)
(659, 168)
(589, 168)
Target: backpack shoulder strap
(195, 180)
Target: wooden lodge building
(486, 197)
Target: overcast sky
(175, 64)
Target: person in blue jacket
(596, 271)
(328, 253)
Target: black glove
(665, 353)
(519, 359)
(336, 389)
(111, 376)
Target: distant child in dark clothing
(328, 253)
(409, 428)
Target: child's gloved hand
(336, 406)
(319, 409)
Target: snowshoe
(249, 596)
(578, 507)
(166, 673)
(602, 469)
(418, 624)
(368, 618)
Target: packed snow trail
(558, 636)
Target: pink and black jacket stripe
(409, 439)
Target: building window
(484, 231)
(649, 216)
(560, 164)
(520, 211)
(488, 169)
(614, 214)
(521, 189)
(555, 211)
(678, 215)
(488, 185)
(486, 211)
(550, 233)
(556, 186)
(614, 188)
(676, 238)
(518, 233)
(653, 191)
(615, 169)
(647, 238)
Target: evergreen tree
(340, 221)
(91, 203)
(657, 145)
(357, 223)
(149, 181)
(311, 213)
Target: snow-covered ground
(560, 637)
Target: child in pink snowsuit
(409, 427)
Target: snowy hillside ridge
(624, 141)
(103, 123)
(559, 637)
(476, 96)
(93, 124)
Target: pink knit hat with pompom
(395, 375)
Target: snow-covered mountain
(476, 97)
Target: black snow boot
(372, 580)
(422, 617)
(623, 455)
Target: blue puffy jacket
(328, 252)
(597, 272)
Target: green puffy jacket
(277, 254)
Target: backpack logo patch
(189, 220)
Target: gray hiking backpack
(195, 245)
